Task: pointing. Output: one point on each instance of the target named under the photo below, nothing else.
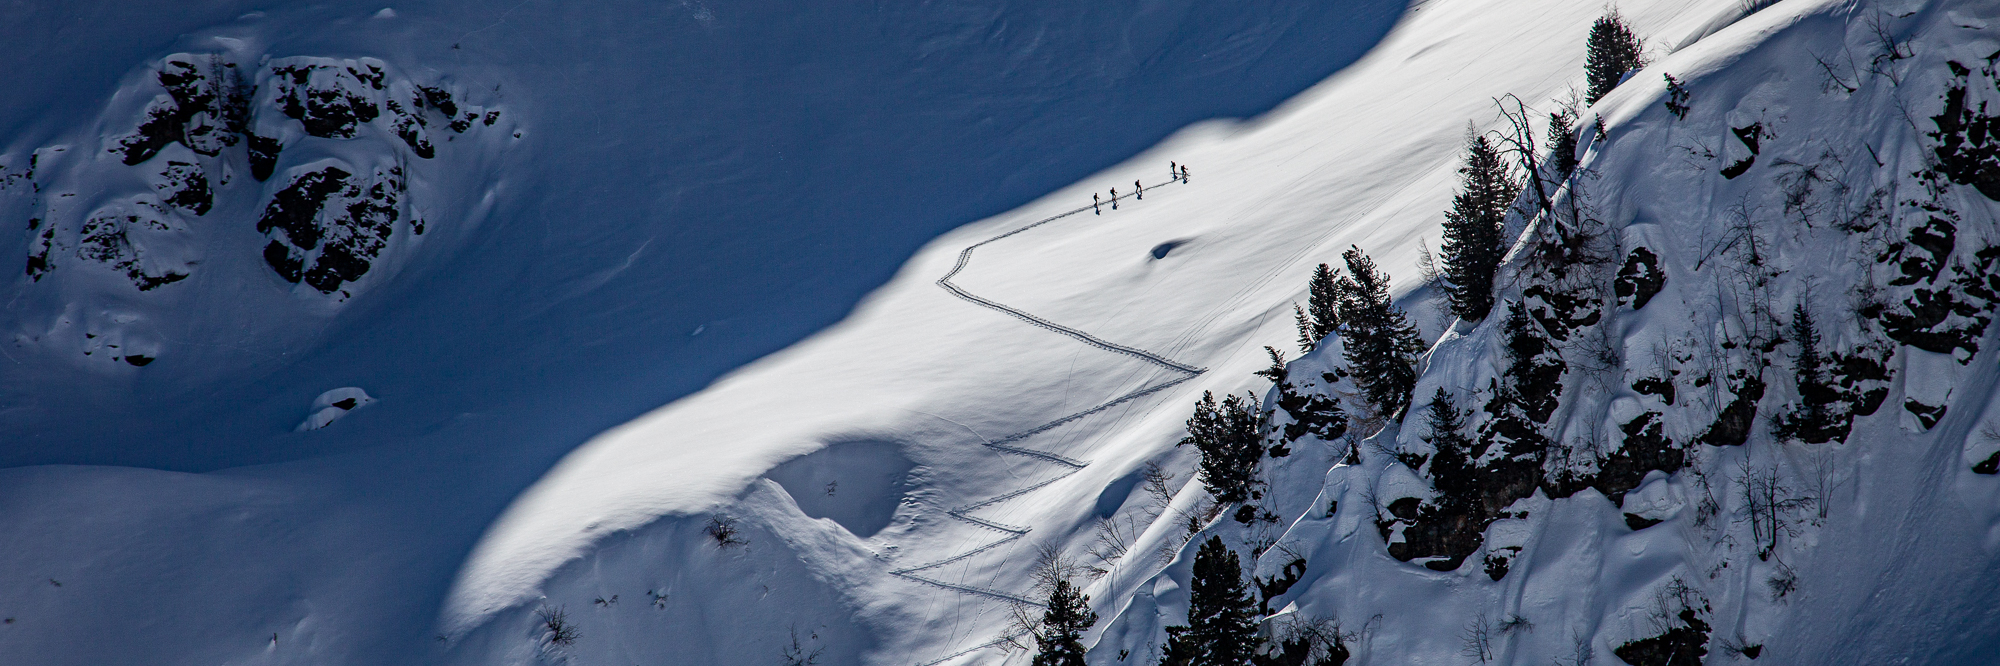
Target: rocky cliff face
(296, 182)
(1737, 390)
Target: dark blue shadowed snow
(700, 184)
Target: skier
(1093, 204)
(1184, 174)
(1172, 173)
(1114, 198)
(1140, 190)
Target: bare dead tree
(1519, 140)
(1768, 504)
(1114, 537)
(1890, 49)
(1476, 639)
(1159, 489)
(1823, 474)
(1831, 80)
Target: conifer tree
(1229, 436)
(1321, 317)
(1562, 144)
(1613, 50)
(1534, 370)
(1812, 421)
(1452, 464)
(1059, 640)
(1473, 231)
(1221, 628)
(1381, 345)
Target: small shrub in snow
(723, 530)
(1677, 97)
(1315, 641)
(1783, 582)
(559, 631)
(797, 653)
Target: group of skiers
(1176, 172)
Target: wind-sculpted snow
(1006, 444)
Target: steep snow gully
(1013, 532)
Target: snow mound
(332, 405)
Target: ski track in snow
(1010, 533)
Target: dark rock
(1637, 522)
(38, 259)
(1499, 561)
(348, 219)
(138, 359)
(263, 156)
(1269, 589)
(1646, 449)
(1968, 148)
(1738, 167)
(1991, 465)
(1559, 312)
(1924, 253)
(1732, 426)
(1749, 136)
(437, 98)
(329, 101)
(1660, 386)
(1927, 415)
(1640, 279)
(295, 208)
(106, 238)
(1682, 645)
(206, 109)
(186, 188)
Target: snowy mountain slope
(742, 202)
(1201, 274)
(1684, 504)
(683, 197)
